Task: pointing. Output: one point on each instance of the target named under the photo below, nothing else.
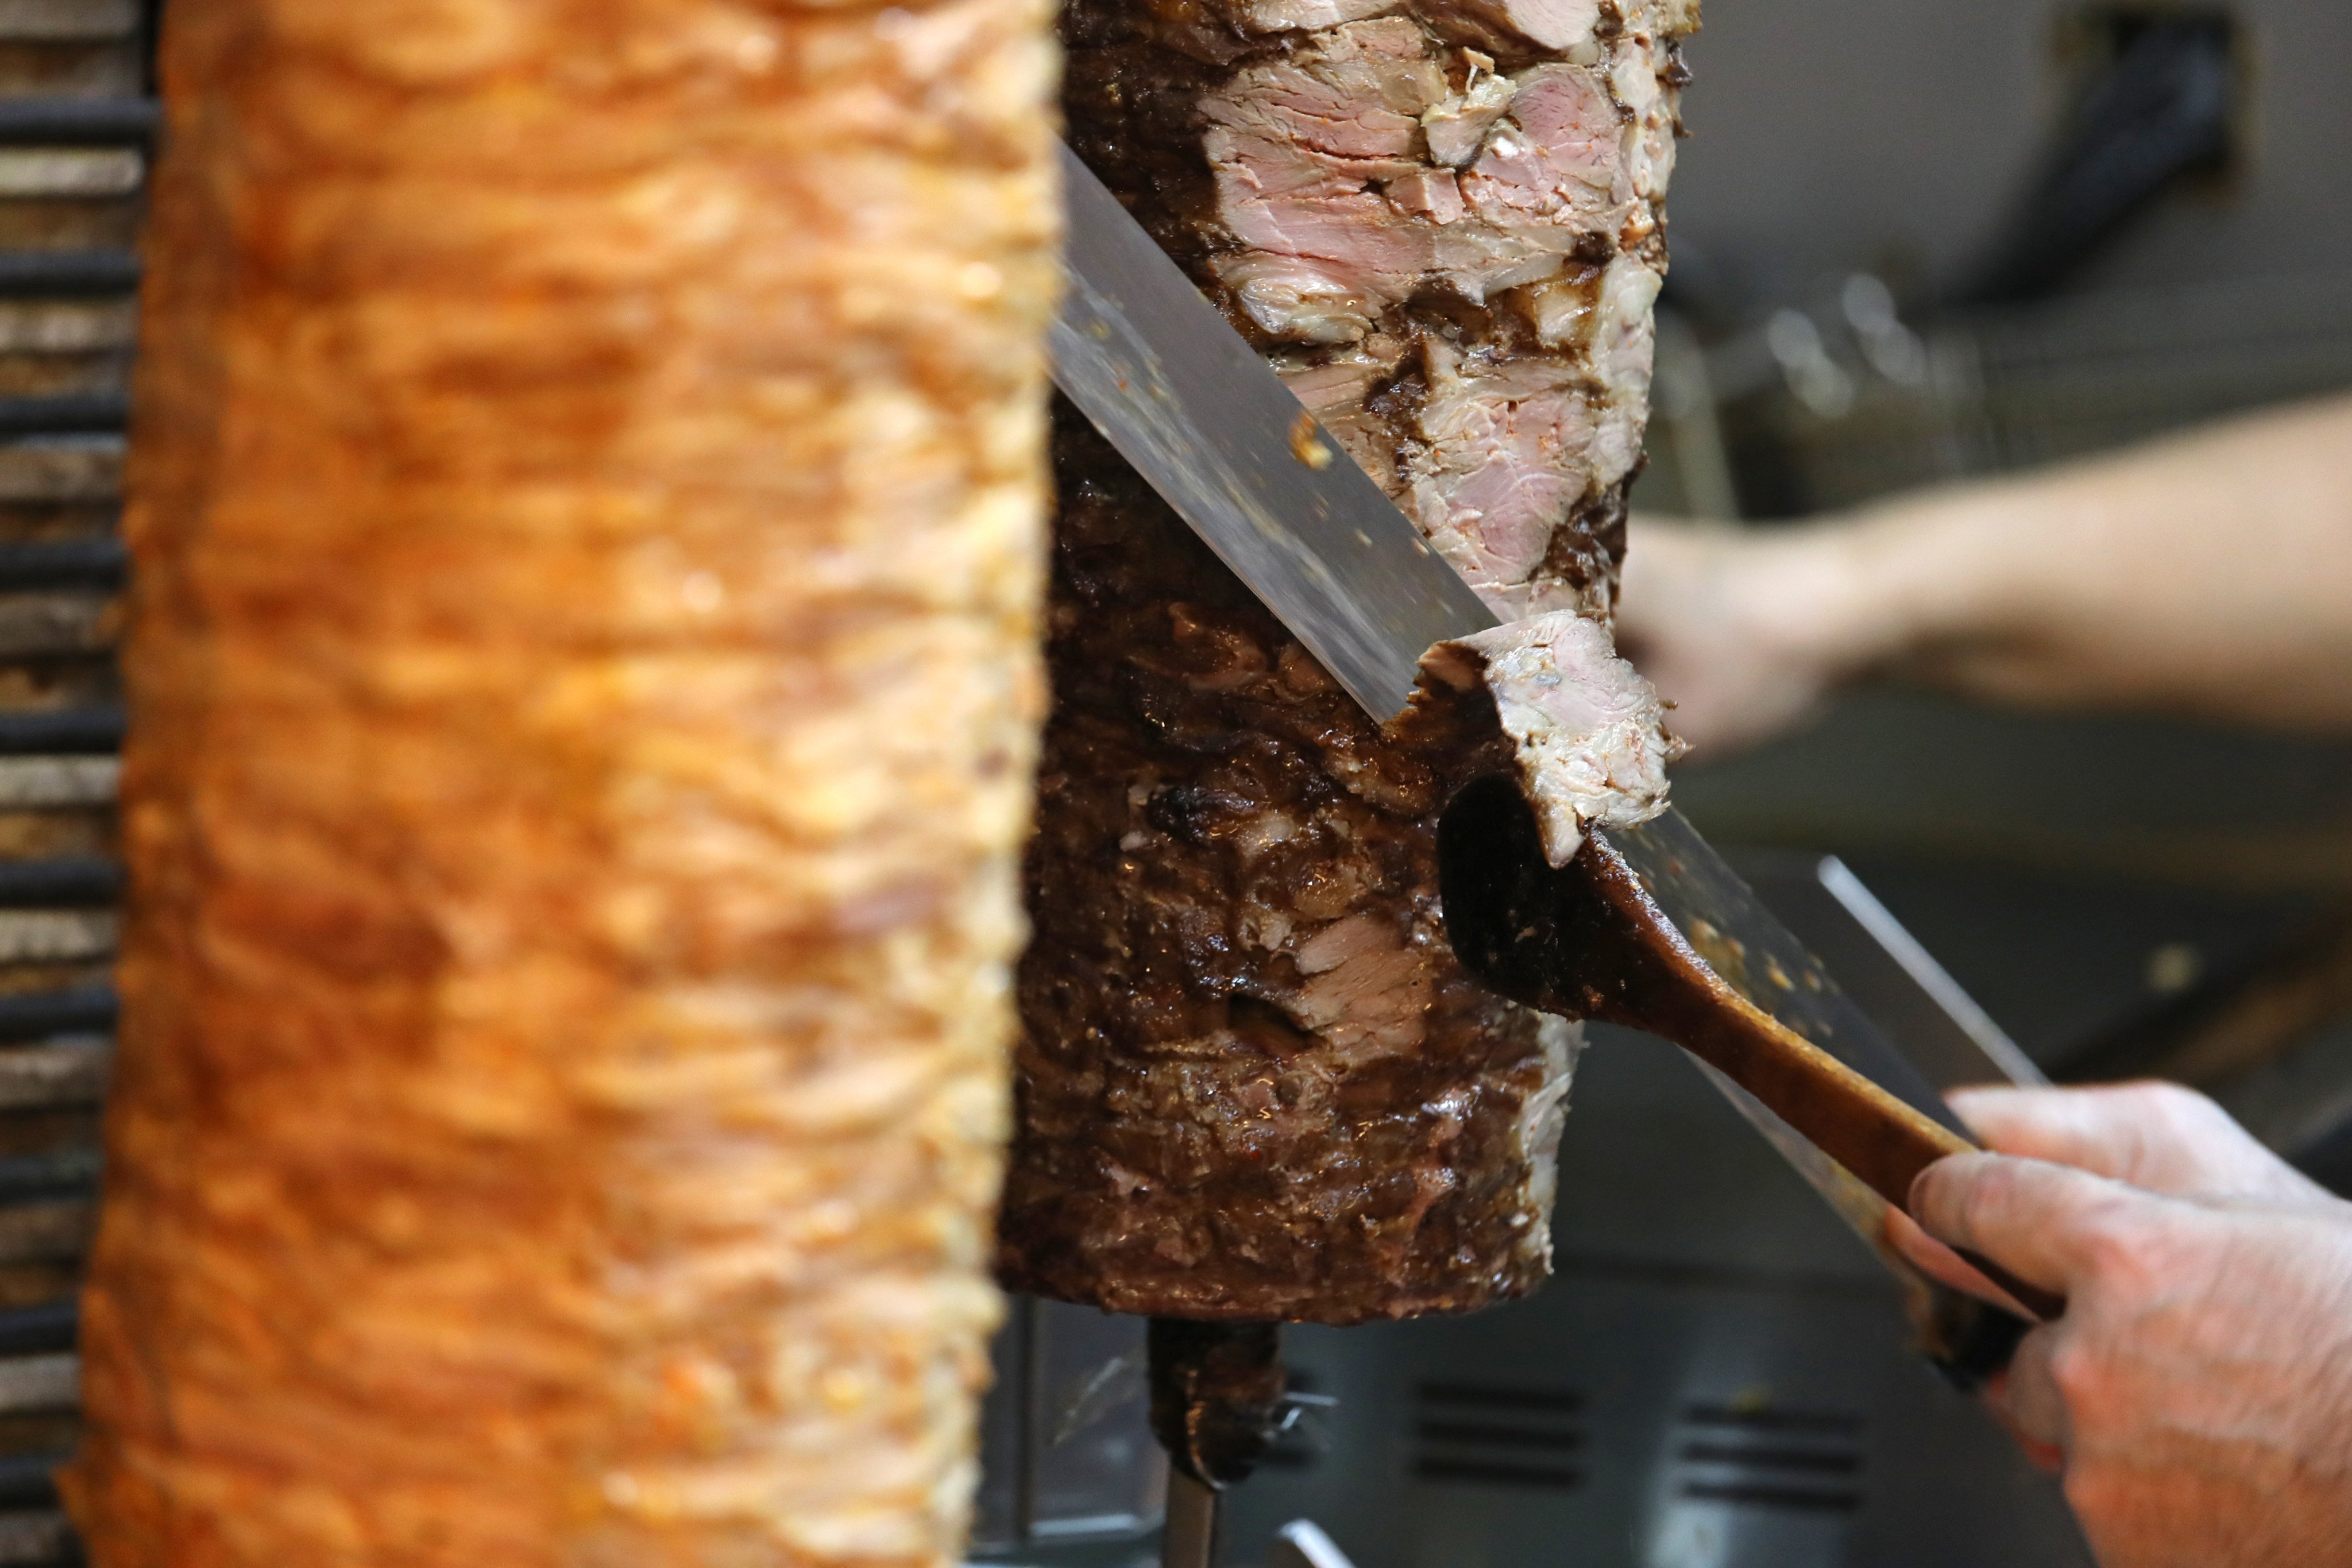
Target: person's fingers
(2023, 1397)
(2028, 1395)
(1944, 1265)
(1670, 619)
(1661, 577)
(2110, 1132)
(2045, 1224)
(1699, 614)
(2157, 1136)
(2026, 1399)
(1671, 546)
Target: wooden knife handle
(1588, 940)
(1883, 1141)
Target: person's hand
(2198, 1392)
(2158, 1137)
(2087, 585)
(1744, 632)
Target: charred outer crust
(1187, 1144)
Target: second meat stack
(1255, 1082)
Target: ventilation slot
(1809, 1461)
(1479, 1434)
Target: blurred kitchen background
(1919, 243)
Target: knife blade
(1159, 372)
(1207, 422)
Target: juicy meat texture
(1485, 241)
(1383, 170)
(1254, 1081)
(565, 1004)
(1588, 734)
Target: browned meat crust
(1254, 1081)
(588, 506)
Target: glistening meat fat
(1255, 1082)
(589, 506)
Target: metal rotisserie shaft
(1217, 1401)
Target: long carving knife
(1649, 926)
(1209, 426)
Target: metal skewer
(1217, 1401)
(1190, 1538)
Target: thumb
(2039, 1221)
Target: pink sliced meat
(1588, 734)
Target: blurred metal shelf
(1835, 400)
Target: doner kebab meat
(588, 505)
(1254, 1081)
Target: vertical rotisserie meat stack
(1255, 1082)
(588, 520)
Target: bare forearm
(2209, 574)
(2212, 574)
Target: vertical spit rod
(1190, 1540)
(1216, 1402)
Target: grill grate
(1487, 1435)
(75, 122)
